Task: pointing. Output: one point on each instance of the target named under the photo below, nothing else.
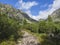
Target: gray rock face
(56, 15)
(15, 13)
(28, 39)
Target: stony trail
(28, 39)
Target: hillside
(15, 13)
(56, 15)
(17, 28)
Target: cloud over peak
(43, 14)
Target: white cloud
(52, 7)
(25, 5)
(29, 13)
(56, 4)
(42, 14)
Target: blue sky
(36, 9)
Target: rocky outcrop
(14, 13)
(56, 15)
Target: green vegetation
(12, 23)
(47, 32)
(9, 30)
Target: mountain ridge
(56, 15)
(15, 13)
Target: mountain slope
(56, 15)
(14, 13)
